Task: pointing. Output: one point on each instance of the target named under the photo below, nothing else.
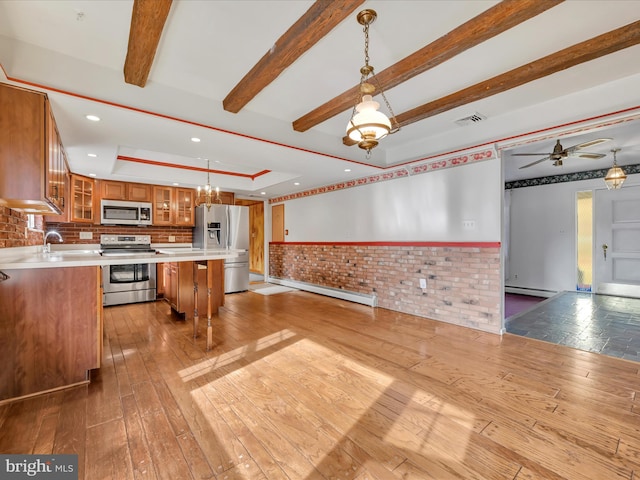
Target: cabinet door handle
(4, 276)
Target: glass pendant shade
(369, 122)
(615, 178)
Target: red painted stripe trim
(191, 167)
(178, 119)
(399, 244)
(395, 166)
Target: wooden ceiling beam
(318, 21)
(591, 49)
(497, 19)
(147, 22)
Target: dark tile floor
(597, 323)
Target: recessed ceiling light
(92, 174)
(93, 118)
(347, 169)
(92, 155)
(296, 183)
(263, 193)
(195, 139)
(175, 184)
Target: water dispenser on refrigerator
(214, 235)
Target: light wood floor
(301, 386)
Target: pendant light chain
(367, 124)
(369, 70)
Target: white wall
(542, 238)
(426, 207)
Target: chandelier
(206, 195)
(367, 124)
(615, 177)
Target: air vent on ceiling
(474, 118)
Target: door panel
(277, 223)
(617, 245)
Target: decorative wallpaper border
(425, 167)
(569, 177)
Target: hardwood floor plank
(143, 468)
(195, 457)
(301, 387)
(108, 459)
(46, 435)
(71, 434)
(20, 428)
(164, 448)
(581, 463)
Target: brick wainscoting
(463, 282)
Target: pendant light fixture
(367, 124)
(615, 177)
(206, 195)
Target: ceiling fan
(559, 153)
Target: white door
(617, 241)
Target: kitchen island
(51, 312)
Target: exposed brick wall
(71, 232)
(463, 283)
(13, 225)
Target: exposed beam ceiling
(147, 22)
(318, 21)
(492, 22)
(591, 49)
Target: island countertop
(89, 255)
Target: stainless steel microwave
(119, 212)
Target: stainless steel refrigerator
(226, 227)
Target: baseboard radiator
(362, 298)
(530, 291)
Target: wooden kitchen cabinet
(178, 287)
(50, 329)
(162, 205)
(57, 170)
(82, 199)
(111, 190)
(33, 168)
(139, 192)
(173, 206)
(184, 206)
(135, 192)
(227, 198)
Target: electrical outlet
(468, 224)
(172, 238)
(423, 283)
(86, 235)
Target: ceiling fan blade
(591, 143)
(589, 155)
(534, 163)
(582, 146)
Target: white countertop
(89, 255)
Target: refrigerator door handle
(228, 245)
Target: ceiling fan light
(368, 122)
(615, 178)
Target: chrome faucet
(46, 247)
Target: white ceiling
(75, 51)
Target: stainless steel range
(129, 282)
